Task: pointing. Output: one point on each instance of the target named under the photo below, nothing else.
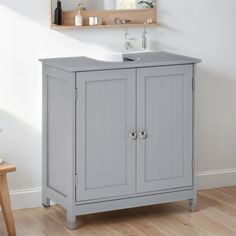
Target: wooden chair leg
(6, 206)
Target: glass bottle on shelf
(58, 14)
(78, 16)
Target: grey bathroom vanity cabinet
(118, 134)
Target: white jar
(95, 20)
(78, 19)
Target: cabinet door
(164, 156)
(105, 118)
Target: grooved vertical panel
(105, 117)
(165, 113)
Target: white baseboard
(30, 198)
(216, 178)
(26, 198)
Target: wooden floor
(216, 216)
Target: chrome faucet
(128, 41)
(144, 38)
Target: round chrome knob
(143, 135)
(133, 135)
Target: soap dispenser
(78, 16)
(58, 14)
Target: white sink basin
(117, 57)
(110, 57)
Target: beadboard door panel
(164, 101)
(105, 117)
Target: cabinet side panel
(59, 128)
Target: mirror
(68, 5)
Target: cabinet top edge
(144, 59)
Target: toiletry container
(95, 20)
(58, 14)
(78, 16)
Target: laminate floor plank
(216, 216)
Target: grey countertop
(144, 59)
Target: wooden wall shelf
(68, 27)
(137, 17)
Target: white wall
(199, 28)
